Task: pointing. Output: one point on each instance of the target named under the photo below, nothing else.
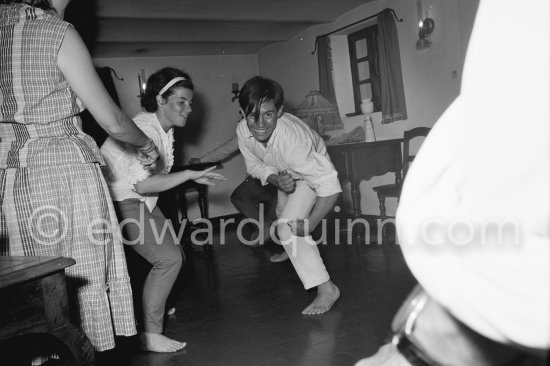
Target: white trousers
(303, 251)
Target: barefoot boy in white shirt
(280, 149)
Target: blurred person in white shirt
(473, 220)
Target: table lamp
(320, 114)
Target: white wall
(214, 115)
(428, 81)
(427, 75)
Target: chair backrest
(407, 137)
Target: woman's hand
(206, 176)
(148, 154)
(149, 159)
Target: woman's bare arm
(75, 63)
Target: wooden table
(363, 160)
(33, 299)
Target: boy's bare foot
(327, 294)
(155, 342)
(277, 258)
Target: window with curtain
(367, 64)
(365, 72)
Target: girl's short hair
(158, 81)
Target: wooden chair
(174, 202)
(394, 190)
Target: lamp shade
(320, 114)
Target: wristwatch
(403, 328)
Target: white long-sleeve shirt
(293, 147)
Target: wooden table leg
(75, 348)
(356, 198)
(358, 235)
(33, 300)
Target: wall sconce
(142, 83)
(235, 91)
(425, 28)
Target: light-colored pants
(302, 251)
(162, 252)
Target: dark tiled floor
(237, 308)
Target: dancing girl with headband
(167, 104)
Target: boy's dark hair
(157, 81)
(260, 90)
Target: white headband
(170, 83)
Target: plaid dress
(53, 197)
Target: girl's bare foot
(327, 294)
(156, 342)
